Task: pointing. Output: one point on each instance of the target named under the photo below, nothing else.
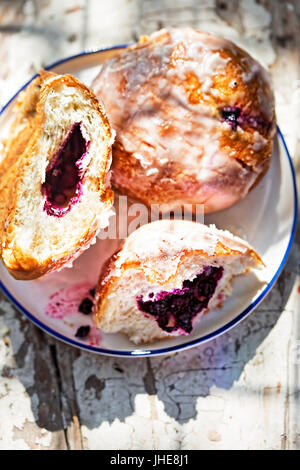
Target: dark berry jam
(176, 310)
(230, 114)
(86, 306)
(235, 117)
(93, 292)
(257, 122)
(63, 183)
(82, 331)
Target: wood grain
(240, 391)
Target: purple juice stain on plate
(67, 300)
(73, 305)
(235, 116)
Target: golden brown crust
(167, 116)
(25, 268)
(104, 286)
(18, 150)
(151, 265)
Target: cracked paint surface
(239, 391)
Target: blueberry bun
(55, 193)
(166, 276)
(194, 116)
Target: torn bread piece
(54, 186)
(165, 276)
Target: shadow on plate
(63, 382)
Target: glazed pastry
(54, 190)
(194, 116)
(165, 276)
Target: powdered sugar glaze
(165, 98)
(159, 246)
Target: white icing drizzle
(159, 246)
(259, 142)
(52, 79)
(164, 127)
(152, 171)
(143, 161)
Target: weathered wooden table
(240, 391)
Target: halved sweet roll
(166, 276)
(54, 187)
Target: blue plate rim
(170, 349)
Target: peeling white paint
(16, 406)
(238, 391)
(139, 431)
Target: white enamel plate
(266, 218)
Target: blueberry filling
(230, 114)
(82, 331)
(176, 310)
(234, 116)
(63, 182)
(93, 292)
(86, 306)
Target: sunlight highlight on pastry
(166, 276)
(194, 116)
(56, 160)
